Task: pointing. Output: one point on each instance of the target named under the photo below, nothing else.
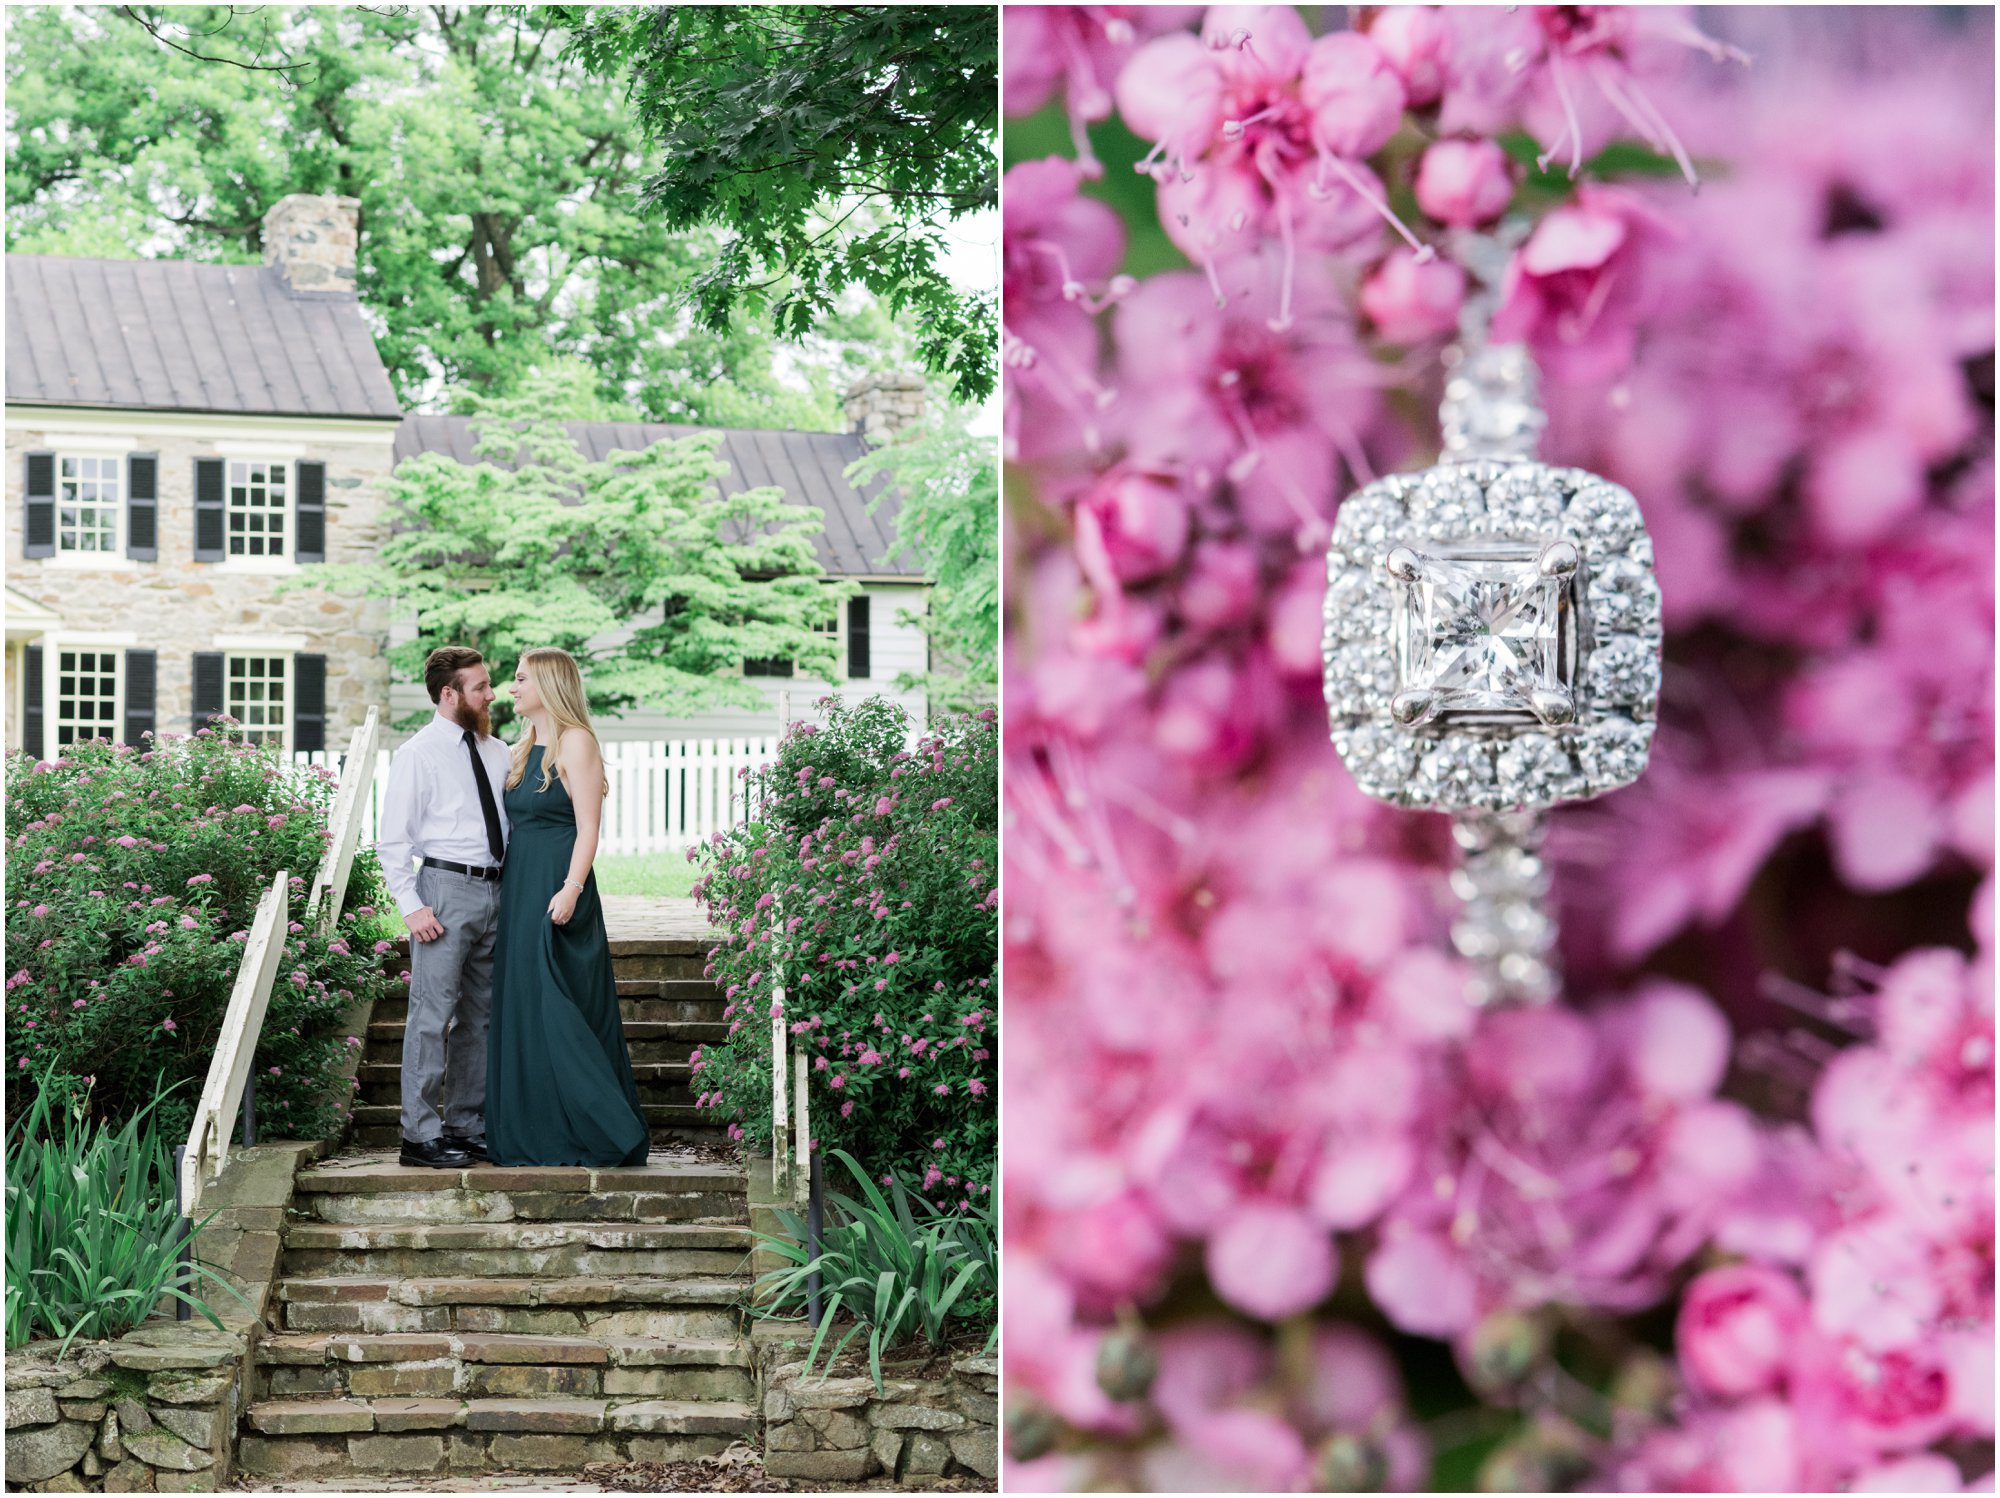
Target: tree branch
(152, 29)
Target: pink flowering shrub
(1282, 1210)
(132, 879)
(866, 887)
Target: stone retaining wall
(157, 1409)
(154, 1411)
(915, 1430)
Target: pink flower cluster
(1240, 1071)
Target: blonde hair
(560, 686)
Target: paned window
(259, 501)
(86, 695)
(256, 694)
(89, 493)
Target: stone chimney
(311, 239)
(879, 406)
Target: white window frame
(113, 560)
(288, 512)
(284, 678)
(52, 647)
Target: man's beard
(478, 719)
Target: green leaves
(93, 1243)
(948, 483)
(898, 1275)
(832, 143)
(497, 179)
(639, 566)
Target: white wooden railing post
(802, 1175)
(236, 1046)
(778, 1093)
(350, 814)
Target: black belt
(459, 868)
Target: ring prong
(1403, 564)
(1413, 707)
(1552, 705)
(1558, 559)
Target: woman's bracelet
(568, 882)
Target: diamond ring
(1492, 649)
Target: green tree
(833, 142)
(497, 180)
(637, 565)
(949, 515)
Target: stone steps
(486, 1250)
(504, 1318)
(388, 1192)
(657, 1082)
(683, 1000)
(337, 1438)
(701, 1306)
(647, 1040)
(379, 1125)
(504, 1365)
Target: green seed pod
(1503, 1351)
(1126, 1363)
(1031, 1430)
(1350, 1464)
(1645, 1384)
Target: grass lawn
(667, 874)
(623, 874)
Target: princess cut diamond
(1482, 628)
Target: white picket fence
(665, 796)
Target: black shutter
(142, 507)
(40, 536)
(312, 512)
(210, 476)
(142, 674)
(208, 667)
(857, 639)
(308, 703)
(31, 702)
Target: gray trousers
(451, 998)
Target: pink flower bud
(1355, 96)
(1416, 43)
(1464, 183)
(1736, 1328)
(1409, 302)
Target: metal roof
(808, 466)
(179, 335)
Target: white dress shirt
(431, 806)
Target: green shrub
(132, 879)
(93, 1242)
(899, 1273)
(869, 879)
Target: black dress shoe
(438, 1154)
(475, 1147)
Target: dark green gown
(559, 1087)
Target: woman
(559, 1087)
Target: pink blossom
(1409, 300)
(1578, 288)
(1464, 183)
(1737, 1328)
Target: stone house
(182, 436)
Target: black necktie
(488, 808)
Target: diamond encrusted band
(1492, 649)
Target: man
(443, 839)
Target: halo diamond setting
(1520, 666)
